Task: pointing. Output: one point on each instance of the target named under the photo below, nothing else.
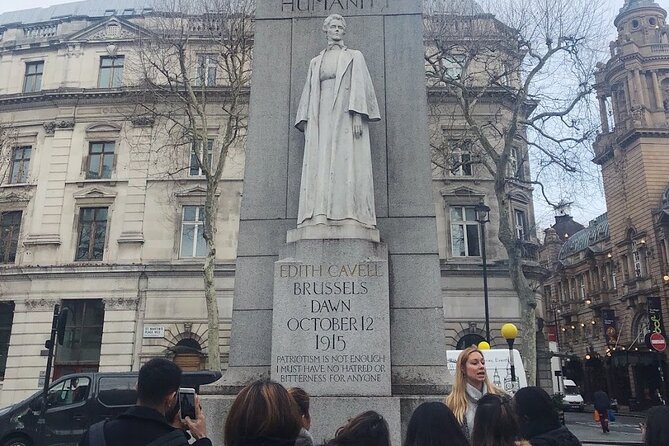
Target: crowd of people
(265, 413)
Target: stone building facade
(91, 220)
(615, 272)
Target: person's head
(495, 422)
(334, 27)
(433, 424)
(470, 368)
(536, 412)
(367, 429)
(157, 384)
(656, 431)
(302, 399)
(262, 410)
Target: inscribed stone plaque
(281, 9)
(331, 333)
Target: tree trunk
(213, 347)
(522, 287)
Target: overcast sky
(583, 211)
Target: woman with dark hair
(263, 414)
(301, 397)
(433, 424)
(495, 423)
(367, 429)
(539, 421)
(655, 430)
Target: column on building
(118, 335)
(25, 363)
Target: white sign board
(154, 331)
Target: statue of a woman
(337, 103)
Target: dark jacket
(557, 437)
(601, 400)
(138, 426)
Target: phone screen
(187, 403)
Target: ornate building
(615, 272)
(89, 217)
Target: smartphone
(187, 402)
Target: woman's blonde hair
(457, 399)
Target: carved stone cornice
(143, 121)
(39, 305)
(120, 303)
(51, 126)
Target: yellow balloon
(483, 345)
(509, 331)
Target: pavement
(624, 431)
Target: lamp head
(483, 345)
(482, 213)
(509, 331)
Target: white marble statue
(337, 103)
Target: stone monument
(337, 287)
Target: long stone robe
(337, 184)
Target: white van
(498, 366)
(572, 396)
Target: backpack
(96, 436)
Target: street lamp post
(510, 332)
(483, 217)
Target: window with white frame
(192, 232)
(195, 168)
(465, 237)
(206, 70)
(461, 159)
(521, 224)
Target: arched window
(188, 355)
(468, 340)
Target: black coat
(601, 400)
(557, 437)
(138, 426)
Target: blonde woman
(471, 384)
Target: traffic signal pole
(50, 345)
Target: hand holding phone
(196, 425)
(187, 403)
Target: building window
(453, 66)
(636, 258)
(83, 337)
(195, 169)
(465, 238)
(581, 287)
(100, 161)
(461, 159)
(6, 320)
(192, 232)
(515, 169)
(92, 233)
(20, 164)
(521, 224)
(111, 72)
(624, 262)
(206, 70)
(33, 78)
(10, 224)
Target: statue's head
(334, 27)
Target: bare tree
(193, 71)
(502, 83)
